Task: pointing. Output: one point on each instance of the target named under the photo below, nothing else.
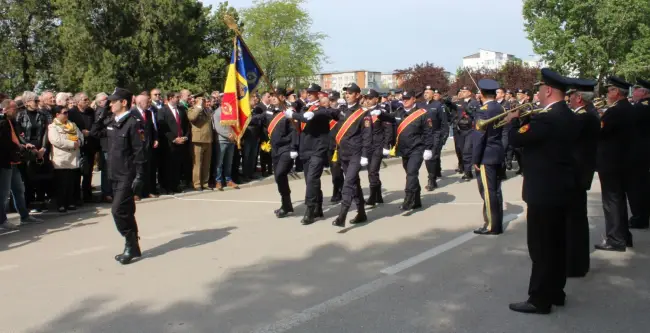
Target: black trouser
(374, 165)
(445, 136)
(577, 236)
(511, 153)
(123, 208)
(352, 184)
(282, 166)
(65, 185)
(612, 186)
(250, 150)
(313, 168)
(547, 248)
(638, 195)
(337, 178)
(488, 176)
(35, 189)
(152, 170)
(411, 165)
(174, 166)
(161, 165)
(147, 169)
(87, 167)
(266, 162)
(463, 145)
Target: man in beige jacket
(201, 121)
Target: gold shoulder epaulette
(484, 107)
(581, 111)
(644, 102)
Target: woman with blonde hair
(66, 139)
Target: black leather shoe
(336, 198)
(608, 247)
(309, 216)
(339, 221)
(485, 231)
(372, 199)
(131, 249)
(526, 307)
(319, 211)
(407, 204)
(282, 213)
(360, 218)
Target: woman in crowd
(66, 139)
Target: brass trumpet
(484, 123)
(522, 115)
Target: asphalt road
(221, 262)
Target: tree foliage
(277, 32)
(417, 77)
(591, 38)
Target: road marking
(304, 316)
(426, 255)
(7, 267)
(86, 250)
(225, 200)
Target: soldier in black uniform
(616, 156)
(511, 152)
(588, 127)
(126, 137)
(353, 144)
(463, 128)
(314, 143)
(435, 108)
(549, 181)
(413, 142)
(382, 135)
(444, 132)
(487, 159)
(335, 163)
(639, 180)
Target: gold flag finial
(230, 22)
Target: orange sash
(415, 115)
(275, 122)
(348, 123)
(332, 124)
(311, 109)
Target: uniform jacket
(125, 149)
(64, 155)
(436, 114)
(548, 141)
(201, 122)
(586, 148)
(465, 111)
(616, 138)
(314, 134)
(167, 126)
(284, 137)
(356, 141)
(416, 137)
(98, 129)
(505, 129)
(488, 144)
(642, 121)
(382, 133)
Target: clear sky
(385, 35)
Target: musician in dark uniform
(313, 146)
(615, 160)
(436, 110)
(464, 126)
(548, 138)
(581, 96)
(511, 152)
(505, 104)
(335, 163)
(639, 180)
(382, 135)
(413, 142)
(353, 144)
(126, 139)
(487, 159)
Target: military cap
(508, 91)
(464, 88)
(384, 95)
(372, 93)
(280, 92)
(352, 88)
(575, 85)
(488, 86)
(522, 91)
(428, 87)
(642, 84)
(334, 96)
(313, 88)
(552, 79)
(408, 94)
(617, 82)
(120, 94)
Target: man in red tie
(173, 131)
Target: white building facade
(487, 59)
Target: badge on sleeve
(524, 129)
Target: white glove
(386, 152)
(288, 113)
(364, 161)
(270, 113)
(375, 112)
(308, 115)
(293, 155)
(427, 155)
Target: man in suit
(174, 127)
(149, 143)
(201, 120)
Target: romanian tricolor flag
(243, 76)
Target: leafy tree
(277, 33)
(515, 75)
(590, 38)
(418, 76)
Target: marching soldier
(639, 193)
(353, 145)
(435, 108)
(382, 135)
(615, 159)
(487, 158)
(444, 132)
(580, 96)
(313, 146)
(413, 142)
(335, 164)
(463, 128)
(125, 135)
(548, 139)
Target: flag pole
(230, 22)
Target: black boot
(467, 176)
(417, 201)
(131, 249)
(372, 199)
(309, 216)
(336, 197)
(319, 210)
(378, 198)
(407, 204)
(339, 221)
(431, 184)
(286, 209)
(361, 216)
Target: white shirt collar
(579, 108)
(549, 106)
(118, 118)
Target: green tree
(277, 33)
(592, 38)
(28, 37)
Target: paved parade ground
(221, 262)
